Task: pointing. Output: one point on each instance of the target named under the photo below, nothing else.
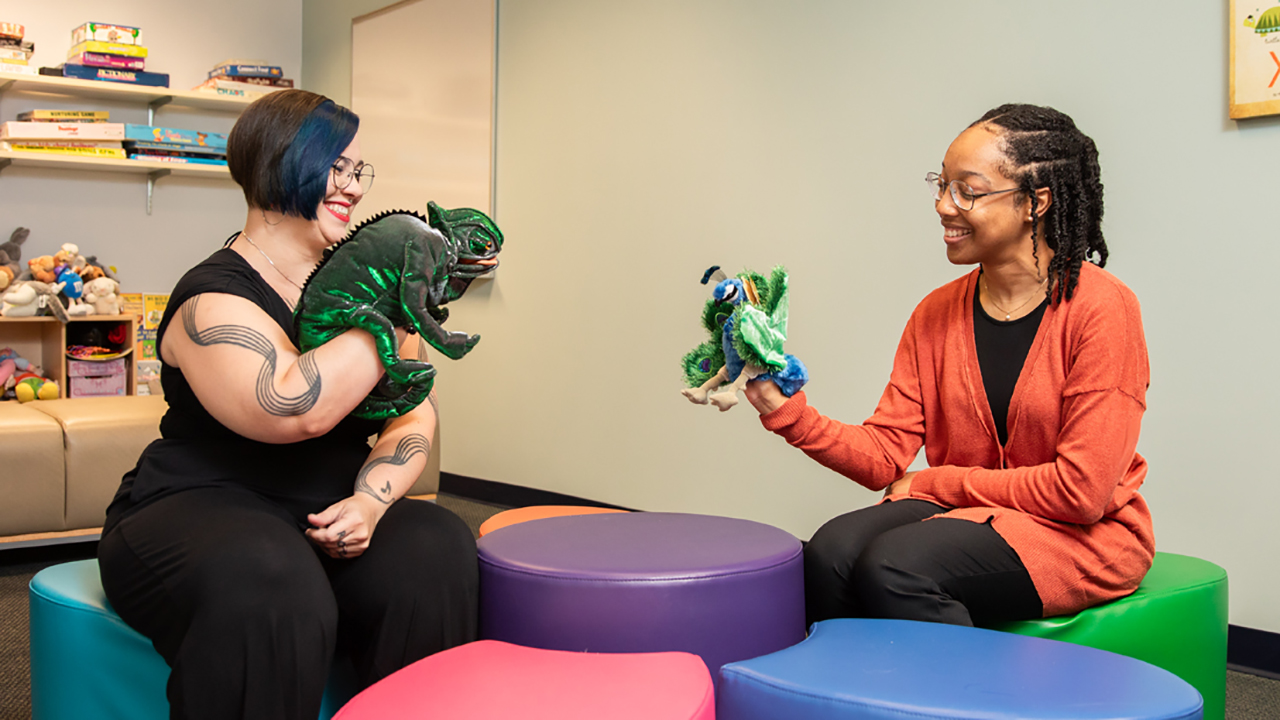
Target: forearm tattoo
(268, 397)
(406, 449)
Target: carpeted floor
(1249, 697)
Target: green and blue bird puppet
(746, 318)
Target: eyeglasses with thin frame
(344, 170)
(961, 194)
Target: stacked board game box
(15, 52)
(114, 53)
(245, 78)
(84, 133)
(173, 145)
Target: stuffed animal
(73, 291)
(70, 256)
(398, 269)
(28, 386)
(103, 294)
(10, 254)
(43, 269)
(32, 297)
(747, 320)
(10, 363)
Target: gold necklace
(1007, 313)
(255, 247)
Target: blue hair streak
(305, 167)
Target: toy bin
(96, 378)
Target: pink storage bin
(104, 386)
(92, 368)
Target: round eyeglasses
(961, 194)
(344, 170)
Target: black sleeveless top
(197, 451)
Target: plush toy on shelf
(10, 254)
(746, 318)
(42, 269)
(30, 298)
(73, 291)
(11, 363)
(104, 295)
(31, 385)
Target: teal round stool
(87, 664)
(1176, 620)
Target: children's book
(80, 151)
(64, 115)
(157, 147)
(180, 160)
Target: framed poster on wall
(1255, 58)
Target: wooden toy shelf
(43, 341)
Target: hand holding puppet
(746, 318)
(397, 269)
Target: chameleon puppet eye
(721, 318)
(705, 365)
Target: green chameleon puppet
(746, 317)
(397, 269)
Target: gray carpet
(1248, 697)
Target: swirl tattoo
(406, 449)
(269, 399)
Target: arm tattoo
(268, 397)
(406, 449)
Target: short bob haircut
(283, 146)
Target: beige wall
(639, 143)
(105, 213)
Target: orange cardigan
(1063, 492)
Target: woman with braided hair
(1025, 382)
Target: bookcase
(154, 98)
(43, 341)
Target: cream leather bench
(61, 462)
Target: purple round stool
(721, 588)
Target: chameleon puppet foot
(695, 395)
(388, 400)
(724, 400)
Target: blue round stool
(87, 664)
(895, 669)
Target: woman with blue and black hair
(243, 543)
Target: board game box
(131, 77)
(103, 32)
(151, 133)
(108, 61)
(107, 48)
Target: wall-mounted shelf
(153, 97)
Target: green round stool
(1176, 620)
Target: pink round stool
(492, 680)
(538, 512)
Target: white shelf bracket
(152, 177)
(156, 105)
(5, 86)
(4, 163)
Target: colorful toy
(747, 320)
(103, 294)
(397, 269)
(10, 254)
(29, 298)
(10, 363)
(28, 386)
(43, 269)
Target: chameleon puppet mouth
(476, 266)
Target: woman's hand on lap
(901, 486)
(344, 529)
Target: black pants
(248, 613)
(883, 562)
